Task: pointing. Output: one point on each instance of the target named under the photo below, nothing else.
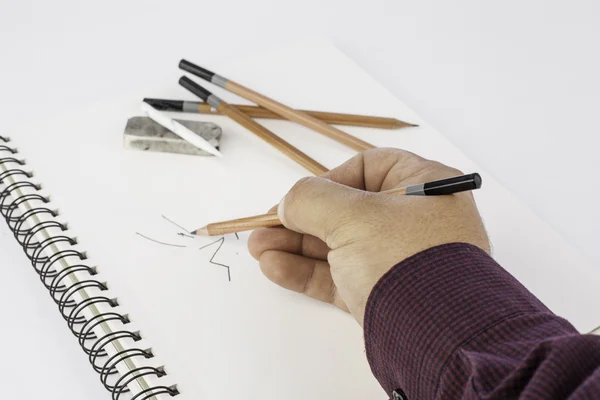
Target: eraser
(141, 133)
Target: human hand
(340, 235)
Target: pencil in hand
(435, 188)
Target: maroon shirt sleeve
(450, 323)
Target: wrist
(426, 306)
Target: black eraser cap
(165, 105)
(194, 88)
(453, 185)
(477, 179)
(196, 70)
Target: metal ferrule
(190, 106)
(219, 80)
(214, 101)
(416, 190)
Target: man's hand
(341, 236)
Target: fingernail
(280, 209)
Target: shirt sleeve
(450, 323)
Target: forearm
(450, 323)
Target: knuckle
(256, 243)
(354, 221)
(451, 171)
(299, 197)
(304, 182)
(298, 190)
(272, 269)
(433, 170)
(382, 151)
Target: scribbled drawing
(159, 242)
(186, 234)
(176, 224)
(220, 241)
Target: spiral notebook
(161, 315)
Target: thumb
(320, 207)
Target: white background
(514, 84)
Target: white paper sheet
(247, 336)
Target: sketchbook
(160, 314)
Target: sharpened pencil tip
(201, 231)
(401, 124)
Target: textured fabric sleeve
(450, 323)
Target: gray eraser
(141, 133)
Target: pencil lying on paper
(253, 126)
(436, 188)
(179, 130)
(278, 108)
(261, 112)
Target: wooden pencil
(436, 188)
(366, 121)
(239, 225)
(253, 126)
(276, 107)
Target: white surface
(514, 84)
(218, 337)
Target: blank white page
(247, 336)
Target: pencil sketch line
(185, 235)
(236, 235)
(176, 224)
(211, 243)
(159, 242)
(222, 240)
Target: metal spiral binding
(25, 231)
